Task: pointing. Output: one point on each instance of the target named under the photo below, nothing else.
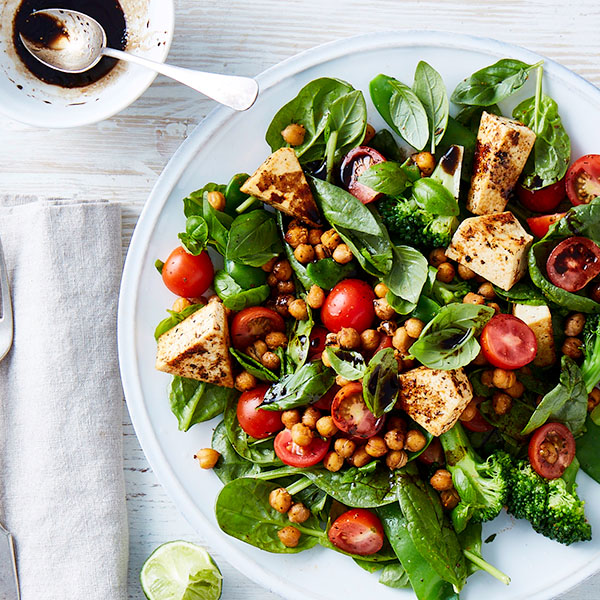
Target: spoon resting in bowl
(72, 42)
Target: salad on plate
(403, 337)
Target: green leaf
(174, 319)
(234, 296)
(384, 142)
(492, 84)
(326, 273)
(298, 268)
(299, 344)
(218, 225)
(435, 198)
(230, 465)
(253, 366)
(393, 575)
(348, 119)
(408, 115)
(470, 116)
(253, 239)
(158, 265)
(588, 450)
(522, 293)
(234, 197)
(431, 91)
(408, 273)
(195, 237)
(389, 178)
(347, 363)
(194, 203)
(380, 382)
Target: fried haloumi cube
(503, 146)
(280, 182)
(494, 246)
(540, 321)
(198, 347)
(434, 398)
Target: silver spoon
(78, 42)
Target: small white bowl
(25, 98)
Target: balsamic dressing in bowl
(107, 12)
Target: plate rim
(168, 179)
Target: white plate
(227, 143)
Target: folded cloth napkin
(62, 492)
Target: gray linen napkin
(62, 491)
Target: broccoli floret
(549, 506)
(446, 293)
(590, 368)
(410, 224)
(481, 485)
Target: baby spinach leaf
(253, 366)
(305, 386)
(380, 382)
(470, 116)
(218, 226)
(588, 450)
(459, 135)
(389, 178)
(512, 423)
(431, 91)
(408, 273)
(393, 575)
(566, 403)
(243, 511)
(522, 293)
(230, 465)
(195, 401)
(195, 236)
(298, 268)
(193, 205)
(492, 84)
(384, 142)
(234, 296)
(299, 344)
(174, 319)
(434, 197)
(326, 273)
(234, 197)
(347, 363)
(253, 239)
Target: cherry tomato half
(255, 422)
(551, 450)
(349, 304)
(317, 342)
(385, 342)
(351, 415)
(355, 163)
(507, 342)
(583, 179)
(357, 531)
(477, 423)
(324, 402)
(540, 225)
(253, 323)
(573, 263)
(299, 456)
(187, 275)
(543, 200)
(433, 454)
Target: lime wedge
(181, 571)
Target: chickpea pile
(508, 388)
(311, 244)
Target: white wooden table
(120, 159)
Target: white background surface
(120, 159)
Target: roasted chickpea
(465, 273)
(207, 458)
(289, 536)
(396, 459)
(268, 266)
(301, 434)
(394, 439)
(572, 347)
(257, 349)
(414, 327)
(548, 452)
(272, 281)
(573, 325)
(376, 446)
(341, 381)
(472, 298)
(321, 252)
(348, 338)
(593, 399)
(331, 339)
(325, 358)
(468, 414)
(297, 309)
(369, 340)
(216, 200)
(295, 236)
(286, 287)
(415, 441)
(280, 500)
(270, 360)
(345, 448)
(294, 134)
(311, 416)
(595, 292)
(381, 290)
(333, 462)
(516, 390)
(441, 480)
(360, 457)
(388, 328)
(503, 379)
(487, 291)
(383, 310)
(369, 134)
(245, 381)
(487, 378)
(425, 161)
(342, 254)
(315, 297)
(449, 499)
(326, 427)
(445, 272)
(290, 417)
(276, 339)
(298, 513)
(304, 254)
(402, 341)
(437, 257)
(282, 270)
(331, 239)
(314, 236)
(502, 403)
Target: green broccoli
(590, 368)
(552, 509)
(481, 485)
(446, 293)
(407, 223)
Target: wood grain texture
(120, 159)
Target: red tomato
(433, 454)
(357, 531)
(317, 342)
(299, 456)
(351, 415)
(573, 263)
(540, 225)
(583, 179)
(253, 323)
(255, 422)
(355, 163)
(551, 450)
(324, 403)
(507, 342)
(349, 304)
(187, 275)
(386, 342)
(544, 200)
(477, 423)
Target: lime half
(181, 571)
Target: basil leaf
(347, 363)
(218, 225)
(566, 403)
(195, 237)
(174, 319)
(431, 91)
(299, 345)
(492, 84)
(380, 382)
(389, 178)
(230, 465)
(253, 239)
(193, 205)
(326, 273)
(408, 274)
(305, 386)
(234, 296)
(435, 198)
(253, 366)
(384, 142)
(408, 115)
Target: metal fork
(9, 581)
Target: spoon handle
(238, 93)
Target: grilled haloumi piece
(494, 246)
(198, 347)
(434, 398)
(280, 182)
(540, 321)
(503, 146)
